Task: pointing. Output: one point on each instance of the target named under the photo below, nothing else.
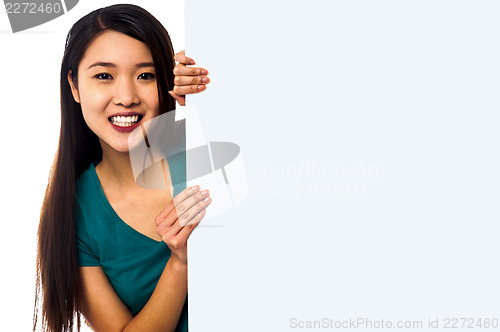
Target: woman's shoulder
(90, 201)
(87, 184)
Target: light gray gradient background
(370, 134)
(399, 100)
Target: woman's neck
(115, 172)
(115, 168)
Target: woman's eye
(103, 76)
(146, 76)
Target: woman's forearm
(162, 311)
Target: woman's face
(116, 87)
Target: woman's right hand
(180, 217)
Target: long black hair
(57, 264)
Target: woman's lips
(125, 122)
(125, 129)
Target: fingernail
(195, 188)
(206, 199)
(204, 192)
(192, 62)
(201, 87)
(204, 80)
(204, 72)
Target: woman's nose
(125, 93)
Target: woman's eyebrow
(145, 64)
(103, 64)
(110, 64)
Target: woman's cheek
(94, 101)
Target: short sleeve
(86, 256)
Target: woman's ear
(74, 90)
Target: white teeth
(124, 121)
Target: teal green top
(132, 261)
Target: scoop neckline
(112, 211)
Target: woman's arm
(163, 309)
(105, 311)
(102, 307)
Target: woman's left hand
(187, 80)
(179, 218)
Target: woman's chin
(121, 148)
(115, 147)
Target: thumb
(180, 99)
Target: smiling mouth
(125, 121)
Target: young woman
(109, 249)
